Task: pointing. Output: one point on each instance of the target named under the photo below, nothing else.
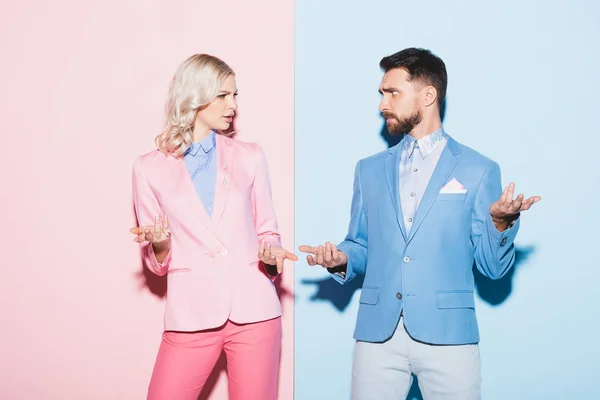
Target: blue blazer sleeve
(355, 244)
(494, 250)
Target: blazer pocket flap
(457, 299)
(369, 295)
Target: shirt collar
(206, 144)
(426, 144)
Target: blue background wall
(523, 89)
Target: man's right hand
(327, 256)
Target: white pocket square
(453, 186)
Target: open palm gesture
(158, 233)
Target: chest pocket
(452, 196)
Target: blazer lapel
(392, 172)
(188, 191)
(446, 164)
(224, 173)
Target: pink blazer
(213, 272)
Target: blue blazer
(426, 273)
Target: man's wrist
(503, 224)
(339, 268)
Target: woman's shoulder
(152, 159)
(242, 145)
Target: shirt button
(399, 296)
(410, 220)
(503, 241)
(407, 259)
(224, 251)
(412, 194)
(416, 169)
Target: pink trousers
(186, 359)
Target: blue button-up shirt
(417, 163)
(201, 162)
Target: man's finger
(510, 194)
(311, 261)
(516, 204)
(327, 254)
(528, 203)
(279, 264)
(261, 249)
(504, 196)
(320, 255)
(165, 226)
(290, 256)
(308, 249)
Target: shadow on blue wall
(495, 292)
(329, 290)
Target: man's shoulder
(375, 158)
(474, 158)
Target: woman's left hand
(274, 255)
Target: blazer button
(407, 259)
(224, 251)
(399, 296)
(503, 241)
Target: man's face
(400, 104)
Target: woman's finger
(165, 226)
(157, 227)
(148, 235)
(279, 264)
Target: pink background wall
(83, 87)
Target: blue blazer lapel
(392, 172)
(448, 160)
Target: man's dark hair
(422, 66)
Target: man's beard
(398, 127)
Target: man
(422, 213)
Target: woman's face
(218, 115)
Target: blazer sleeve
(355, 243)
(263, 208)
(494, 250)
(146, 208)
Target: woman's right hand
(158, 234)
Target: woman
(219, 244)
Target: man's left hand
(506, 209)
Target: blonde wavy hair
(194, 86)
